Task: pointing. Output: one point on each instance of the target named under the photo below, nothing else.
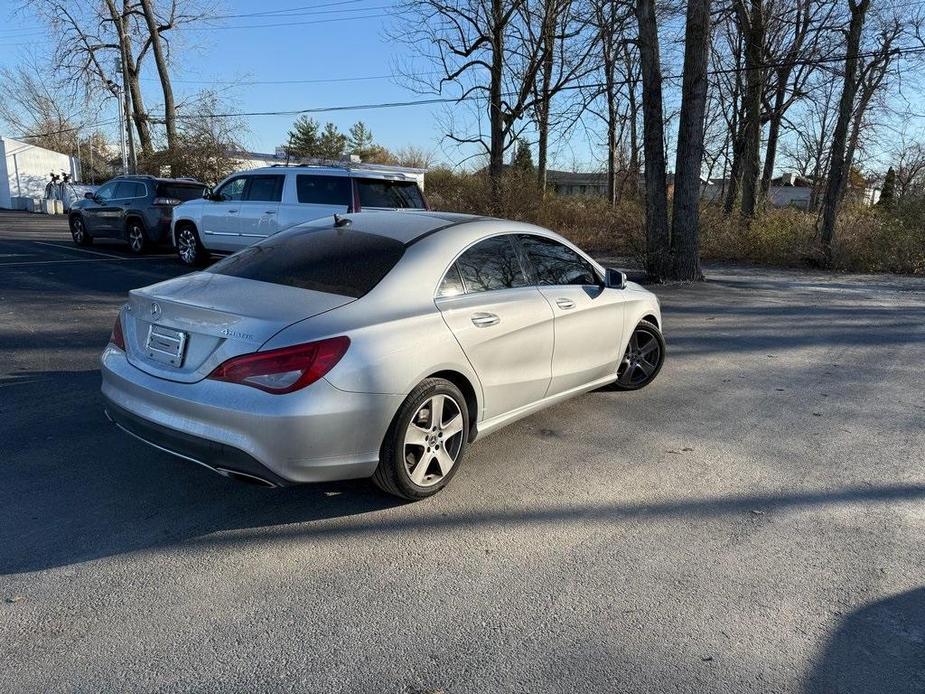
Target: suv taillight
(167, 202)
(115, 337)
(283, 370)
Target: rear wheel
(425, 443)
(79, 231)
(135, 233)
(189, 248)
(643, 358)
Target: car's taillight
(116, 338)
(283, 370)
(170, 202)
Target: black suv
(137, 209)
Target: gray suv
(137, 209)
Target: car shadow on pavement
(76, 488)
(878, 648)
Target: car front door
(258, 212)
(96, 211)
(588, 316)
(504, 325)
(220, 216)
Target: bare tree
(751, 19)
(657, 235)
(685, 226)
(840, 164)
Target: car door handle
(232, 211)
(270, 212)
(565, 304)
(483, 320)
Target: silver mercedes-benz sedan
(376, 345)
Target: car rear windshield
(389, 194)
(180, 191)
(336, 261)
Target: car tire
(643, 359)
(79, 231)
(190, 250)
(137, 238)
(415, 439)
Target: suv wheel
(137, 241)
(425, 443)
(79, 231)
(189, 248)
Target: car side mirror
(90, 196)
(207, 193)
(615, 279)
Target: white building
(25, 171)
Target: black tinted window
(323, 190)
(179, 191)
(336, 261)
(129, 189)
(491, 264)
(393, 194)
(554, 263)
(452, 283)
(265, 188)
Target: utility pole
(119, 93)
(127, 125)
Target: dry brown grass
(868, 239)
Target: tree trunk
(130, 72)
(495, 113)
(657, 253)
(732, 192)
(612, 112)
(548, 38)
(685, 226)
(777, 117)
(751, 140)
(160, 60)
(634, 121)
(838, 165)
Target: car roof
(406, 226)
(156, 179)
(356, 171)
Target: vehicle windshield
(336, 261)
(390, 194)
(180, 191)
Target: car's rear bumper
(318, 434)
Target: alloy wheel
(77, 231)
(641, 360)
(187, 246)
(433, 440)
(136, 238)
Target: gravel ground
(751, 522)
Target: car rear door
(257, 213)
(504, 325)
(388, 194)
(312, 196)
(220, 216)
(588, 317)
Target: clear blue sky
(317, 40)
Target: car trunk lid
(183, 328)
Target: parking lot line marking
(81, 260)
(81, 250)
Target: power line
(291, 24)
(450, 100)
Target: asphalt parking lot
(751, 522)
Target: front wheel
(137, 241)
(425, 443)
(643, 358)
(79, 232)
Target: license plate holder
(165, 345)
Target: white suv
(251, 205)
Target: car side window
(555, 263)
(322, 190)
(265, 189)
(452, 284)
(491, 264)
(233, 190)
(105, 192)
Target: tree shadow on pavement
(878, 648)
